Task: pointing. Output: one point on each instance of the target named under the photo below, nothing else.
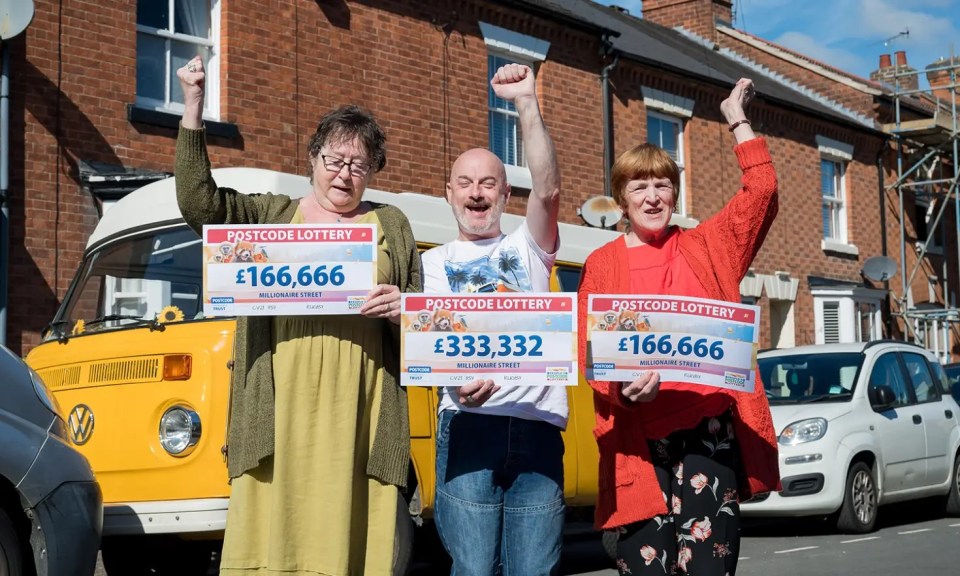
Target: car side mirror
(881, 397)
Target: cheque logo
(557, 373)
(734, 379)
(355, 302)
(81, 424)
(221, 300)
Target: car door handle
(917, 419)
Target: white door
(899, 429)
(938, 418)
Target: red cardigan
(719, 250)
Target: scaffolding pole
(938, 140)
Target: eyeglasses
(334, 164)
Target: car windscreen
(143, 280)
(804, 378)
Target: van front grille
(125, 371)
(61, 377)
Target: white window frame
(848, 303)
(681, 155)
(840, 154)
(674, 108)
(522, 49)
(211, 110)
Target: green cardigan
(250, 432)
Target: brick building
(924, 292)
(94, 113)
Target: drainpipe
(4, 180)
(607, 122)
(887, 319)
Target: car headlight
(179, 430)
(803, 431)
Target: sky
(850, 34)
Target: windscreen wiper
(811, 400)
(153, 324)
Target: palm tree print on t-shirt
(503, 273)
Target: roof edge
(813, 67)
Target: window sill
(519, 177)
(839, 247)
(172, 120)
(685, 222)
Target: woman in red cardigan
(676, 458)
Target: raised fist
(513, 81)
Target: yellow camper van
(144, 377)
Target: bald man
(499, 505)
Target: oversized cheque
(288, 269)
(690, 340)
(525, 339)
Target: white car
(859, 425)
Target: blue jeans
(499, 506)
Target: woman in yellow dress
(318, 444)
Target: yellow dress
(312, 509)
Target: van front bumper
(165, 517)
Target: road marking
(915, 531)
(743, 558)
(955, 525)
(796, 549)
(860, 539)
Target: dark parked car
(953, 378)
(51, 510)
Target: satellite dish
(15, 16)
(601, 212)
(879, 268)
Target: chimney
(940, 79)
(896, 75)
(698, 16)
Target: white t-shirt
(513, 261)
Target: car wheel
(953, 498)
(11, 558)
(858, 513)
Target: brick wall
(422, 70)
(713, 176)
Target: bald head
(477, 192)
(477, 164)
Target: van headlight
(803, 431)
(179, 430)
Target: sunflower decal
(79, 327)
(170, 314)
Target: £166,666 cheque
(689, 340)
(288, 269)
(515, 339)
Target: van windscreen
(135, 281)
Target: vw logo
(80, 423)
